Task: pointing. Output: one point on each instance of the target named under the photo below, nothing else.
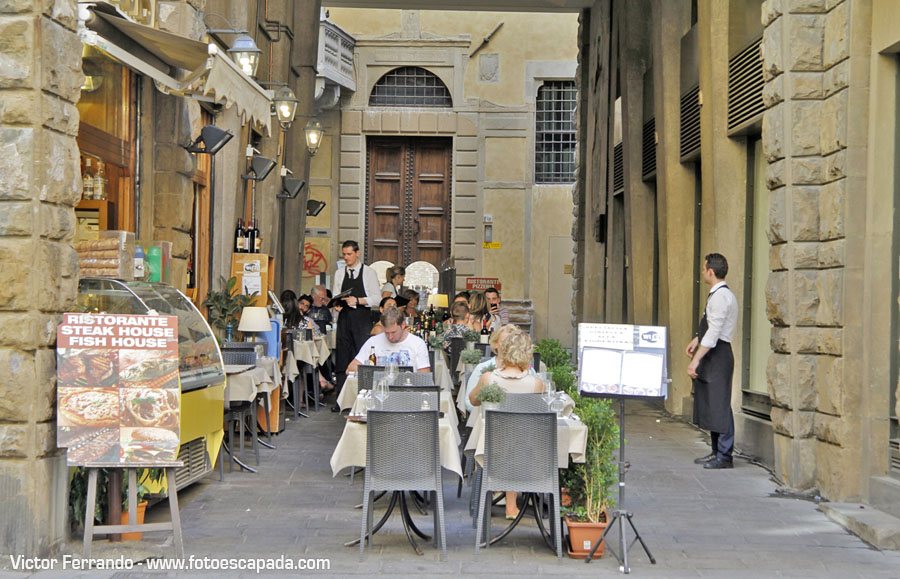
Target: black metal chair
(519, 456)
(457, 345)
(416, 468)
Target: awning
(211, 75)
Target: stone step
(875, 527)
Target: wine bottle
(372, 359)
(239, 237)
(485, 337)
(249, 240)
(431, 318)
(256, 237)
(87, 181)
(100, 182)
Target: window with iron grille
(554, 132)
(410, 86)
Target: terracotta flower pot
(583, 537)
(141, 509)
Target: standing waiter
(355, 320)
(712, 364)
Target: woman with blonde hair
(512, 375)
(478, 309)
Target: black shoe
(703, 460)
(719, 464)
(335, 408)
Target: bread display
(110, 255)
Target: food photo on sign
(119, 399)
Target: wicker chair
(366, 374)
(416, 468)
(525, 403)
(520, 456)
(485, 349)
(409, 401)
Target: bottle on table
(251, 238)
(100, 182)
(485, 337)
(239, 237)
(372, 359)
(87, 181)
(257, 239)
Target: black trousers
(353, 328)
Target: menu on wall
(118, 395)
(623, 360)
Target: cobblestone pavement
(697, 523)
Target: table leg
(380, 523)
(404, 507)
(407, 523)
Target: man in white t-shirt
(395, 344)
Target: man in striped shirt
(499, 315)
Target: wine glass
(558, 404)
(549, 390)
(392, 371)
(380, 391)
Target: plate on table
(358, 418)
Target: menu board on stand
(118, 394)
(622, 360)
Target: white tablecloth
(571, 436)
(351, 448)
(312, 352)
(351, 388)
(244, 387)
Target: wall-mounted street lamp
(314, 132)
(246, 54)
(285, 103)
(213, 139)
(260, 167)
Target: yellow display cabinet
(200, 367)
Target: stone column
(306, 42)
(675, 186)
(40, 82)
(640, 198)
(814, 373)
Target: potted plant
(470, 336)
(470, 358)
(78, 496)
(491, 396)
(225, 306)
(590, 484)
(436, 341)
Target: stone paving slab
(697, 523)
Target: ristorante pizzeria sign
(118, 393)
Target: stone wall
(811, 174)
(40, 82)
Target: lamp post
(314, 132)
(245, 54)
(285, 106)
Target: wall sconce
(285, 104)
(260, 167)
(314, 207)
(213, 139)
(314, 132)
(290, 187)
(246, 54)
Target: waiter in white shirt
(712, 364)
(355, 320)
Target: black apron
(712, 386)
(354, 324)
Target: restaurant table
(461, 395)
(272, 400)
(312, 353)
(245, 384)
(348, 394)
(571, 435)
(351, 448)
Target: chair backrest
(525, 403)
(413, 388)
(366, 374)
(485, 349)
(520, 451)
(537, 361)
(239, 353)
(402, 451)
(408, 400)
(407, 378)
(457, 345)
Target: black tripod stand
(620, 515)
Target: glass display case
(200, 360)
